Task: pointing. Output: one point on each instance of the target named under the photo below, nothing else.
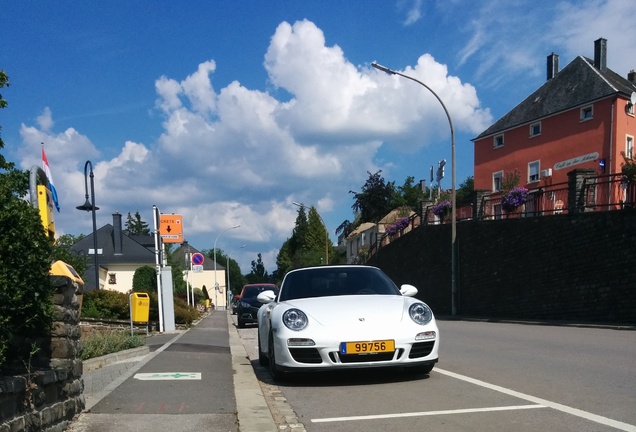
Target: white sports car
(342, 317)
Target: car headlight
(295, 319)
(245, 305)
(420, 313)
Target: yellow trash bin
(139, 307)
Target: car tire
(277, 374)
(262, 357)
(241, 323)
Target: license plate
(367, 347)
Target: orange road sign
(171, 228)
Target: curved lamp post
(301, 205)
(216, 285)
(90, 206)
(227, 269)
(453, 193)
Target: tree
(63, 251)
(26, 307)
(465, 190)
(375, 199)
(410, 194)
(136, 226)
(258, 274)
(145, 280)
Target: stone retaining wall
(49, 396)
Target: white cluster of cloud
(240, 156)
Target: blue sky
(227, 112)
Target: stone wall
(50, 395)
(575, 267)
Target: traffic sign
(171, 228)
(197, 258)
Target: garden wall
(50, 395)
(574, 267)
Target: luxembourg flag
(47, 171)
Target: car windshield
(336, 281)
(254, 291)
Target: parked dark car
(235, 304)
(248, 304)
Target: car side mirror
(408, 290)
(266, 297)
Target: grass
(99, 344)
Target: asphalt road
(491, 377)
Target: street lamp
(227, 269)
(216, 285)
(453, 193)
(90, 206)
(301, 205)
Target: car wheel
(277, 374)
(262, 358)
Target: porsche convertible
(344, 317)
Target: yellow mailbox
(139, 307)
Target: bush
(106, 304)
(99, 344)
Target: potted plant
(514, 198)
(442, 209)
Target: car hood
(381, 310)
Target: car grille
(305, 355)
(363, 358)
(421, 349)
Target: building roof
(361, 228)
(579, 83)
(131, 251)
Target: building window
(535, 129)
(629, 108)
(533, 172)
(112, 279)
(498, 141)
(629, 147)
(587, 113)
(497, 181)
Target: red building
(582, 117)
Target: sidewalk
(199, 379)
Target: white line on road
(557, 406)
(425, 413)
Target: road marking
(557, 406)
(426, 413)
(168, 376)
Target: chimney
(600, 54)
(117, 233)
(631, 76)
(553, 65)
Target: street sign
(171, 228)
(197, 269)
(197, 258)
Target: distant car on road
(344, 317)
(248, 305)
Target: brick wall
(576, 267)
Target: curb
(100, 362)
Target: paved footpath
(199, 379)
